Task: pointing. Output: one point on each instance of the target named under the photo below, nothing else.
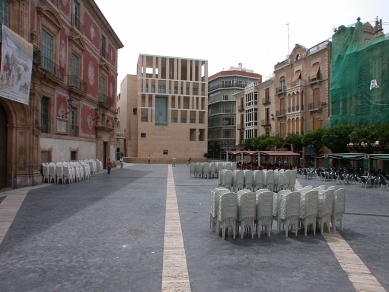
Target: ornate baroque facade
(71, 109)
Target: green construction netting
(355, 63)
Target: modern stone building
(255, 114)
(163, 109)
(222, 107)
(58, 86)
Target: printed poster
(16, 66)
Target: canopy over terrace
(273, 155)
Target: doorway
(105, 155)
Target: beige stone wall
(183, 82)
(60, 149)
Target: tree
(296, 140)
(248, 144)
(337, 138)
(313, 138)
(365, 137)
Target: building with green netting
(359, 93)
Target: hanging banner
(16, 66)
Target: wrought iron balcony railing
(48, 65)
(74, 81)
(105, 100)
(77, 23)
(265, 100)
(314, 105)
(281, 113)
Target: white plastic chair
(227, 179)
(248, 179)
(246, 211)
(292, 179)
(227, 214)
(45, 172)
(264, 203)
(308, 210)
(212, 169)
(214, 206)
(237, 180)
(339, 208)
(270, 180)
(52, 173)
(199, 169)
(288, 211)
(59, 170)
(276, 204)
(325, 209)
(205, 170)
(67, 174)
(258, 179)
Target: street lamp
(70, 105)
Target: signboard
(16, 66)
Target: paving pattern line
(175, 276)
(9, 207)
(358, 274)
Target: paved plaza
(146, 228)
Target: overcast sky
(226, 33)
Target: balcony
(240, 107)
(105, 101)
(266, 123)
(77, 23)
(226, 85)
(49, 66)
(280, 90)
(104, 53)
(298, 82)
(314, 106)
(240, 127)
(312, 80)
(266, 100)
(76, 83)
(281, 113)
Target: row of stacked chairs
(274, 180)
(250, 212)
(62, 172)
(209, 169)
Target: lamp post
(70, 105)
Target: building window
(45, 115)
(76, 13)
(160, 111)
(4, 11)
(103, 46)
(74, 69)
(161, 89)
(225, 96)
(143, 135)
(165, 152)
(73, 155)
(47, 51)
(134, 111)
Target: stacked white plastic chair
(288, 211)
(270, 180)
(308, 210)
(214, 206)
(227, 214)
(248, 179)
(246, 211)
(276, 174)
(228, 166)
(282, 183)
(264, 202)
(276, 204)
(45, 172)
(287, 178)
(220, 166)
(258, 179)
(213, 169)
(238, 180)
(52, 173)
(233, 166)
(339, 208)
(67, 174)
(199, 169)
(59, 171)
(192, 169)
(205, 170)
(325, 209)
(227, 179)
(292, 179)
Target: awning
(380, 156)
(314, 71)
(250, 152)
(234, 152)
(349, 156)
(296, 76)
(279, 153)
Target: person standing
(109, 166)
(189, 160)
(174, 161)
(148, 159)
(121, 161)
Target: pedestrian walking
(121, 161)
(174, 161)
(148, 159)
(109, 166)
(189, 160)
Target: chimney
(240, 66)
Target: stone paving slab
(107, 234)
